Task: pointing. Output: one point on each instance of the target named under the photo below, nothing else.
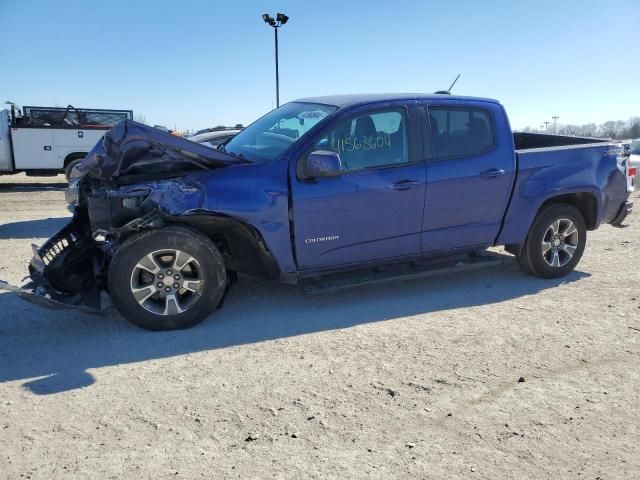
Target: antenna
(448, 91)
(454, 82)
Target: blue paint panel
(363, 217)
(464, 208)
(255, 194)
(547, 173)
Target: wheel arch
(585, 202)
(242, 246)
(73, 156)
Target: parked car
(318, 186)
(213, 137)
(634, 159)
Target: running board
(337, 282)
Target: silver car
(635, 154)
(215, 136)
(634, 160)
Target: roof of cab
(352, 100)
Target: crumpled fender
(253, 194)
(173, 196)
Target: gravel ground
(491, 374)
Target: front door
(373, 210)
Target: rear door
(469, 175)
(373, 210)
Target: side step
(336, 282)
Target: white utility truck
(50, 140)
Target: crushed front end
(126, 176)
(70, 268)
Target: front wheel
(167, 279)
(555, 242)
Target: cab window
(369, 140)
(460, 131)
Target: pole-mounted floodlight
(282, 18)
(268, 19)
(276, 23)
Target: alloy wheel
(167, 282)
(560, 242)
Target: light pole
(546, 127)
(276, 23)
(555, 118)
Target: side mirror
(323, 163)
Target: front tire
(555, 243)
(167, 279)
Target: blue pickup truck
(318, 186)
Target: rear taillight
(632, 171)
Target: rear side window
(460, 131)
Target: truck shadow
(40, 228)
(52, 350)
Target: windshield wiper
(233, 154)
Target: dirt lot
(416, 379)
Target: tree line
(620, 130)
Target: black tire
(524, 262)
(535, 261)
(70, 166)
(125, 265)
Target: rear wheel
(555, 243)
(167, 279)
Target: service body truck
(50, 140)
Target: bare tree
(620, 129)
(589, 130)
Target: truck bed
(591, 169)
(526, 140)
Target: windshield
(271, 135)
(635, 147)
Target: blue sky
(194, 64)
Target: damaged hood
(132, 148)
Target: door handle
(492, 173)
(404, 184)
